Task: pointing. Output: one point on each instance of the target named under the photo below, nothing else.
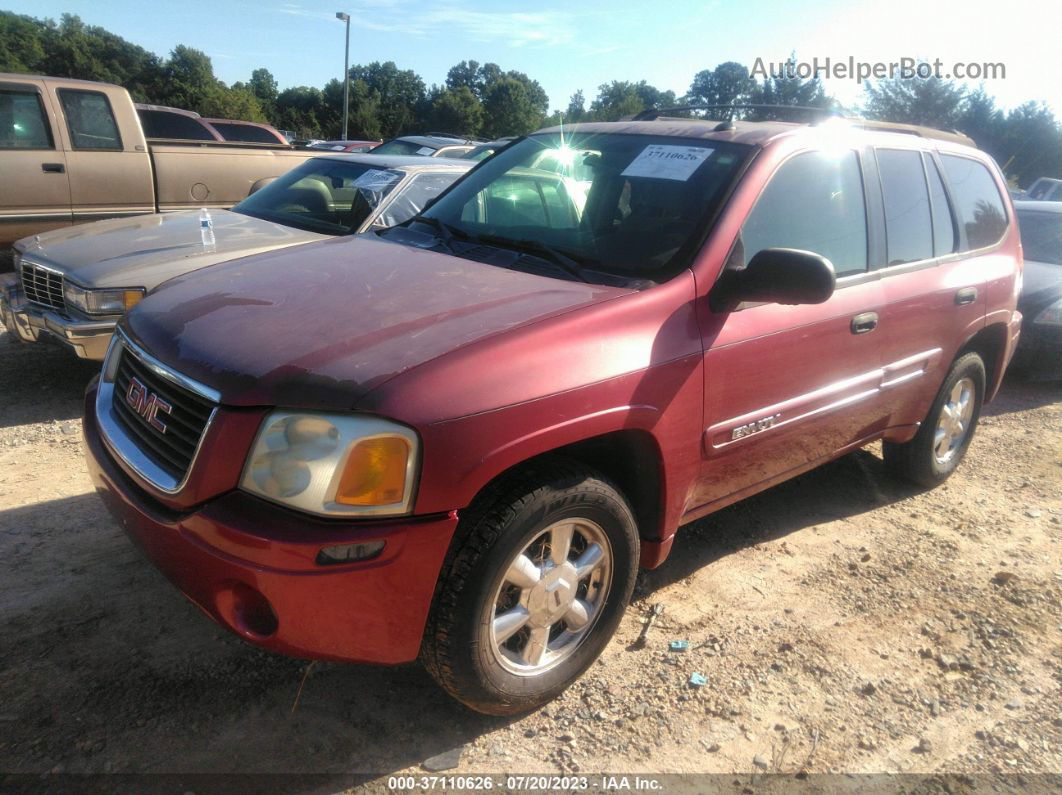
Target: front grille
(173, 449)
(42, 286)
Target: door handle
(967, 295)
(53, 168)
(864, 322)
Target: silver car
(74, 284)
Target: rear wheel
(942, 440)
(534, 589)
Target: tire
(920, 460)
(468, 651)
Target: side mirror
(776, 276)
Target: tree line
(485, 100)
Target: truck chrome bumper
(87, 338)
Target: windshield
(332, 197)
(400, 147)
(1041, 236)
(629, 207)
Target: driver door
(787, 386)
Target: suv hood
(322, 325)
(146, 250)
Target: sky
(568, 46)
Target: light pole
(346, 72)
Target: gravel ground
(843, 622)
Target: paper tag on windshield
(374, 179)
(667, 162)
(425, 150)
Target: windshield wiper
(537, 248)
(445, 230)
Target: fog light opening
(249, 611)
(349, 553)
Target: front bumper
(252, 567)
(27, 321)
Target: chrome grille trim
(122, 442)
(42, 285)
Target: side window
(908, 223)
(23, 123)
(977, 201)
(246, 133)
(411, 201)
(943, 227)
(177, 126)
(814, 202)
(90, 120)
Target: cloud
(515, 28)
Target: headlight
(102, 302)
(333, 465)
(1052, 316)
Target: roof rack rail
(826, 115)
(651, 114)
(913, 129)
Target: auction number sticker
(375, 179)
(425, 150)
(659, 161)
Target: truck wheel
(940, 444)
(533, 589)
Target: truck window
(90, 119)
(977, 201)
(23, 124)
(908, 222)
(246, 133)
(177, 126)
(814, 202)
(943, 225)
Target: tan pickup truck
(74, 151)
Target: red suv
(457, 439)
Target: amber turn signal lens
(131, 298)
(375, 473)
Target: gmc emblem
(147, 404)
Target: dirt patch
(842, 622)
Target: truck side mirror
(776, 276)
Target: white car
(75, 283)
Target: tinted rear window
(977, 201)
(943, 226)
(400, 147)
(245, 133)
(908, 223)
(177, 126)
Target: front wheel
(534, 589)
(943, 438)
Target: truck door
(788, 386)
(107, 158)
(34, 186)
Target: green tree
(464, 75)
(264, 87)
(931, 101)
(576, 108)
(619, 99)
(457, 110)
(301, 108)
(22, 43)
(1031, 144)
(727, 84)
(398, 93)
(510, 109)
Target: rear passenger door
(788, 386)
(943, 215)
(36, 189)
